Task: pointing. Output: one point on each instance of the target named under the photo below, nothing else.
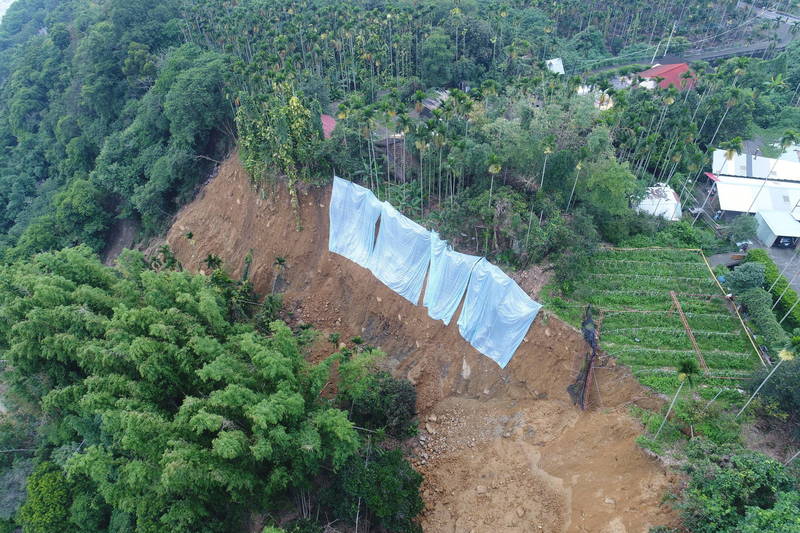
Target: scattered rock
(430, 429)
(480, 489)
(609, 501)
(520, 511)
(378, 298)
(432, 418)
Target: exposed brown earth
(500, 449)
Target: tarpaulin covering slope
(496, 314)
(353, 212)
(447, 279)
(401, 254)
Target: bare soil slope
(500, 449)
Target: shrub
(386, 403)
(783, 516)
(375, 399)
(728, 486)
(383, 484)
(758, 304)
(771, 273)
(679, 234)
(46, 509)
(781, 387)
(745, 276)
(743, 227)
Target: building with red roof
(328, 125)
(672, 76)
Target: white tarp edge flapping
(496, 314)
(401, 254)
(447, 279)
(353, 212)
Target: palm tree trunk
(541, 188)
(727, 108)
(572, 192)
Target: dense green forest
(142, 398)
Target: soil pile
(500, 449)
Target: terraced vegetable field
(641, 326)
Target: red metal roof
(671, 74)
(328, 124)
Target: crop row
(686, 270)
(637, 319)
(706, 386)
(679, 340)
(624, 283)
(681, 256)
(632, 301)
(660, 358)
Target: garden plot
(641, 325)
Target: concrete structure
(661, 201)
(775, 227)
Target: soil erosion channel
(501, 450)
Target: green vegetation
(158, 409)
(781, 389)
(640, 324)
(143, 398)
(779, 288)
(758, 303)
(119, 110)
(732, 489)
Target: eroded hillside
(500, 449)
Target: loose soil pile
(500, 449)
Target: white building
(777, 227)
(661, 201)
(748, 195)
(755, 166)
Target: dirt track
(500, 449)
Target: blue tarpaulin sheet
(401, 254)
(496, 314)
(447, 279)
(354, 211)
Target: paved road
(784, 37)
(768, 13)
(790, 267)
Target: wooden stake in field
(677, 305)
